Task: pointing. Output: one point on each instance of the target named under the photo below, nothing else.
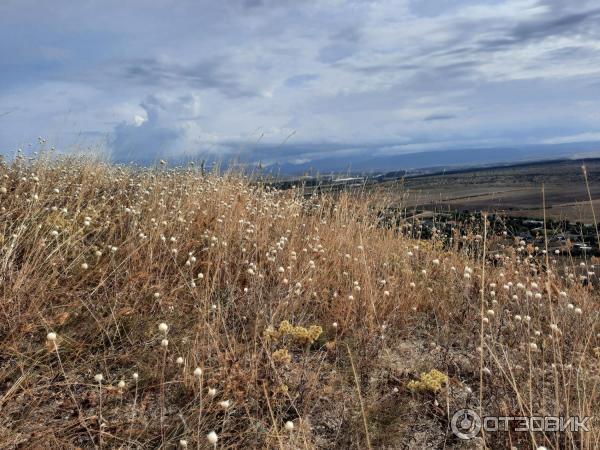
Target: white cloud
(139, 120)
(581, 137)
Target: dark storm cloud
(549, 26)
(567, 23)
(435, 117)
(203, 75)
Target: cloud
(343, 77)
(139, 120)
(207, 74)
(145, 141)
(336, 52)
(301, 80)
(434, 117)
(581, 137)
(554, 26)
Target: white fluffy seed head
(179, 361)
(51, 336)
(98, 377)
(198, 372)
(212, 437)
(164, 343)
(289, 425)
(224, 404)
(163, 327)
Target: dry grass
(101, 255)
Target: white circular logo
(465, 424)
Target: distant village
(564, 237)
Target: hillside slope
(148, 308)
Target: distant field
(515, 190)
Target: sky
(281, 81)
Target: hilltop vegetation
(156, 308)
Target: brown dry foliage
(339, 267)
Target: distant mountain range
(439, 160)
(368, 162)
